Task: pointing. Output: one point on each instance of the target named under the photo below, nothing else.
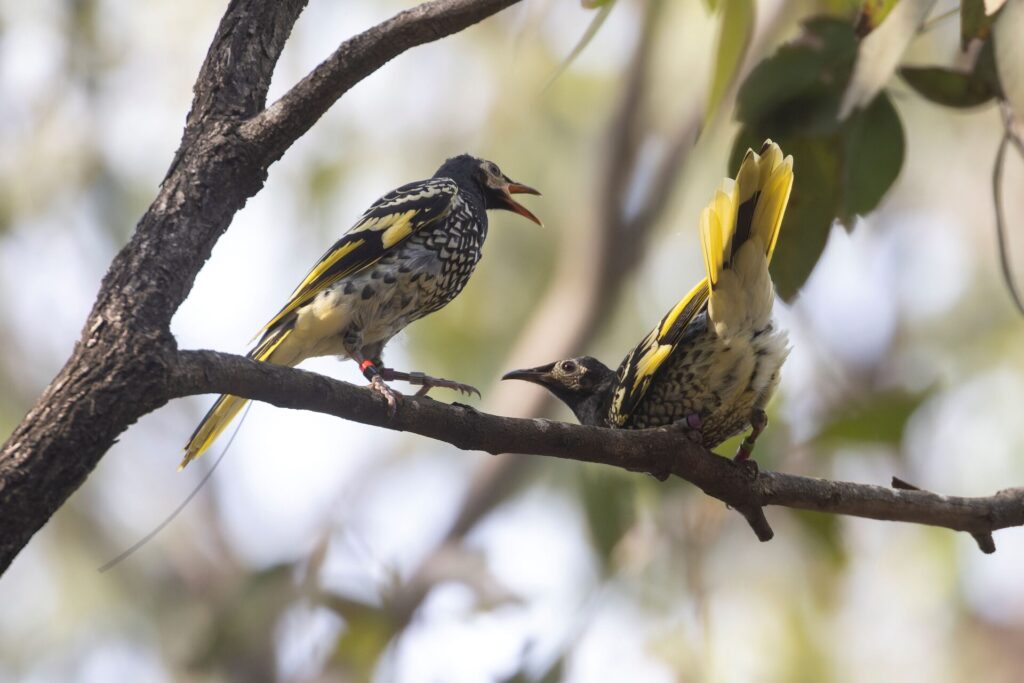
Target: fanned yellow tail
(739, 230)
(227, 407)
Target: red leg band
(369, 369)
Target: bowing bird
(409, 254)
(712, 363)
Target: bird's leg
(758, 421)
(370, 371)
(426, 382)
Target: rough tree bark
(126, 362)
(119, 368)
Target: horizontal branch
(657, 451)
(282, 123)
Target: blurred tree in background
(325, 550)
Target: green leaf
(608, 498)
(879, 54)
(812, 206)
(947, 87)
(368, 631)
(974, 22)
(604, 8)
(797, 89)
(825, 530)
(1008, 38)
(873, 150)
(840, 169)
(734, 34)
(880, 420)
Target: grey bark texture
(126, 363)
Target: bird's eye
(568, 366)
(493, 170)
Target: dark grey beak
(538, 375)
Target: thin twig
(650, 450)
(997, 201)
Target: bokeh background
(329, 551)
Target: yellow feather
(699, 291)
(309, 286)
(226, 408)
(650, 361)
(399, 229)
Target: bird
(411, 253)
(713, 361)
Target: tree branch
(286, 120)
(656, 451)
(118, 370)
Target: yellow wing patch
(314, 282)
(400, 228)
(642, 363)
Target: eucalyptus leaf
(947, 87)
(880, 53)
(873, 151)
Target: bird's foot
(758, 421)
(426, 382)
(691, 427)
(379, 386)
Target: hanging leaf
(734, 34)
(797, 89)
(812, 207)
(1008, 37)
(841, 169)
(608, 498)
(880, 53)
(882, 419)
(947, 87)
(872, 157)
(604, 8)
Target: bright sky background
(902, 299)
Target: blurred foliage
(845, 167)
(873, 13)
(650, 580)
(881, 419)
(975, 23)
(735, 30)
(608, 500)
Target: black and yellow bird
(713, 361)
(410, 254)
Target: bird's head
(584, 384)
(496, 187)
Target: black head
(584, 384)
(496, 187)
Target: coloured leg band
(369, 369)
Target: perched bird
(411, 253)
(713, 361)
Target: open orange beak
(512, 205)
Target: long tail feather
(739, 229)
(227, 407)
